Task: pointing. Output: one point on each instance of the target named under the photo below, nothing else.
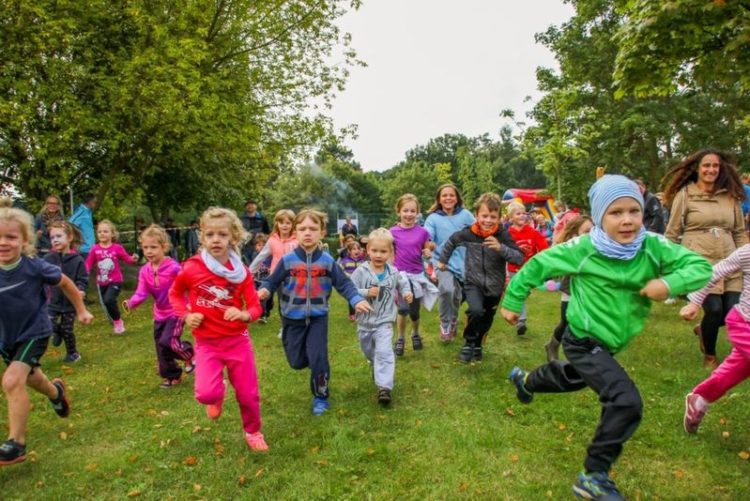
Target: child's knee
(212, 395)
(14, 379)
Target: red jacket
(198, 290)
(529, 241)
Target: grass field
(453, 431)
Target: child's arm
(346, 288)
(454, 241)
(74, 296)
(90, 260)
(252, 310)
(359, 278)
(509, 248)
(404, 288)
(178, 299)
(270, 284)
(682, 270)
(141, 292)
(260, 258)
(81, 278)
(123, 254)
(722, 269)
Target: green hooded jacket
(605, 301)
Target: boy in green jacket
(615, 272)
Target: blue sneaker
(596, 486)
(319, 406)
(517, 376)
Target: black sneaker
(12, 452)
(384, 396)
(477, 353)
(596, 485)
(72, 357)
(399, 348)
(416, 341)
(60, 404)
(520, 329)
(56, 339)
(466, 354)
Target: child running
(615, 272)
(306, 276)
(25, 327)
(736, 367)
(576, 226)
(350, 262)
(488, 248)
(262, 271)
(63, 238)
(155, 279)
(529, 241)
(378, 281)
(214, 295)
(106, 255)
(412, 243)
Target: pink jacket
(156, 283)
(276, 247)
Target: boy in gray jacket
(378, 281)
(488, 248)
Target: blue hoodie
(440, 226)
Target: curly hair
(157, 232)
(686, 172)
(237, 232)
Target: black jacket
(74, 268)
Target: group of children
(612, 268)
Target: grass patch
(453, 431)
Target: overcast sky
(440, 66)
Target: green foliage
(187, 103)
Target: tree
(187, 103)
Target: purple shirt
(408, 244)
(156, 284)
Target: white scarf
(236, 275)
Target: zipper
(308, 304)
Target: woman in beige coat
(705, 193)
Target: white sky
(440, 66)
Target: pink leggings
(736, 367)
(236, 354)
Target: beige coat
(710, 224)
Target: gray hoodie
(384, 306)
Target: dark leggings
(560, 329)
(715, 309)
(108, 297)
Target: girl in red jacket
(215, 296)
(529, 241)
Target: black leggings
(715, 309)
(108, 297)
(560, 329)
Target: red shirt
(529, 241)
(197, 290)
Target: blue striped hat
(609, 188)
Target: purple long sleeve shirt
(156, 283)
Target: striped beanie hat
(609, 188)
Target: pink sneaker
(445, 335)
(695, 408)
(256, 441)
(119, 326)
(213, 411)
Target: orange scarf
(478, 231)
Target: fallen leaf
(134, 493)
(725, 434)
(260, 472)
(133, 458)
(370, 452)
(321, 462)
(314, 450)
(514, 457)
(191, 460)
(91, 467)
(242, 480)
(562, 427)
(463, 487)
(197, 487)
(165, 413)
(118, 473)
(509, 411)
(744, 455)
(40, 484)
(197, 429)
(63, 435)
(679, 474)
(723, 421)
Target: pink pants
(236, 354)
(736, 367)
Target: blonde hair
(112, 227)
(25, 223)
(321, 218)
(236, 230)
(514, 207)
(381, 234)
(157, 232)
(71, 231)
(6, 202)
(279, 216)
(406, 197)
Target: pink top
(156, 283)
(276, 247)
(737, 260)
(107, 261)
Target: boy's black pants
(480, 314)
(591, 364)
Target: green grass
(454, 431)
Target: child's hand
(233, 313)
(509, 316)
(374, 291)
(125, 306)
(263, 294)
(441, 266)
(86, 317)
(193, 320)
(408, 297)
(690, 311)
(427, 253)
(492, 243)
(363, 307)
(135, 257)
(656, 290)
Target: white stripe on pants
(376, 346)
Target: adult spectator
(51, 211)
(254, 222)
(349, 228)
(705, 193)
(447, 216)
(83, 218)
(653, 217)
(173, 232)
